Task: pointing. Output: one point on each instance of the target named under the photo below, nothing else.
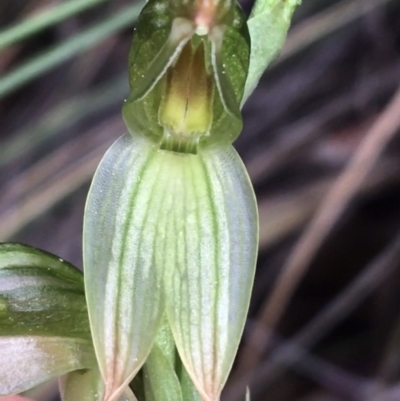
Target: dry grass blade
(335, 202)
(282, 215)
(61, 117)
(321, 25)
(389, 369)
(307, 118)
(53, 178)
(43, 20)
(60, 53)
(297, 348)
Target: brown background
(314, 109)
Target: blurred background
(322, 146)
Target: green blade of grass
(62, 117)
(42, 20)
(68, 49)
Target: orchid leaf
(268, 24)
(189, 391)
(160, 379)
(161, 382)
(165, 341)
(27, 361)
(44, 328)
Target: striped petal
(183, 227)
(123, 290)
(209, 262)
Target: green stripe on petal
(122, 287)
(183, 224)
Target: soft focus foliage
(44, 330)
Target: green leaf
(30, 360)
(160, 380)
(40, 294)
(165, 341)
(268, 24)
(189, 391)
(44, 329)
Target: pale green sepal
(209, 261)
(120, 252)
(188, 222)
(268, 24)
(230, 54)
(87, 385)
(140, 113)
(160, 380)
(44, 329)
(27, 361)
(181, 32)
(153, 49)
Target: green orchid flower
(170, 227)
(171, 219)
(188, 66)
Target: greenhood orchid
(170, 227)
